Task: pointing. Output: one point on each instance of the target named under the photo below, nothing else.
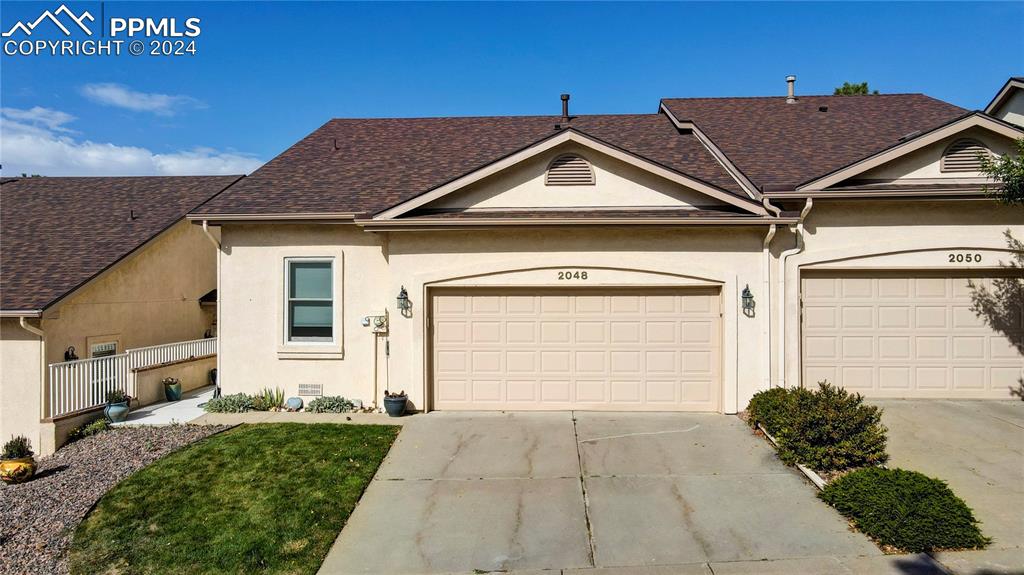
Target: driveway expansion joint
(583, 489)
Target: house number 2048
(572, 275)
(964, 258)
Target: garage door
(904, 335)
(593, 349)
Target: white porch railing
(76, 385)
(83, 384)
(170, 352)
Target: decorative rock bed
(38, 518)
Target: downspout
(766, 321)
(220, 296)
(43, 411)
(799, 231)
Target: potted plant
(172, 388)
(16, 462)
(117, 406)
(394, 403)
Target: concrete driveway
(978, 448)
(567, 491)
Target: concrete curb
(814, 477)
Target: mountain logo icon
(27, 29)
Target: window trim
(286, 316)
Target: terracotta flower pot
(17, 470)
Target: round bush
(769, 409)
(831, 429)
(905, 509)
(331, 404)
(234, 403)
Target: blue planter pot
(173, 392)
(395, 406)
(116, 412)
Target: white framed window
(103, 349)
(309, 300)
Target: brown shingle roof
(379, 163)
(779, 145)
(57, 233)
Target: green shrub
(905, 509)
(17, 448)
(831, 429)
(89, 429)
(769, 408)
(235, 403)
(331, 404)
(117, 396)
(268, 399)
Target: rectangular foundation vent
(311, 389)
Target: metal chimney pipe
(791, 89)
(565, 108)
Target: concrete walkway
(668, 493)
(978, 448)
(170, 412)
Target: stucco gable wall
(1012, 110)
(618, 185)
(924, 164)
(150, 298)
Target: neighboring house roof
(780, 146)
(367, 166)
(58, 233)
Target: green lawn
(258, 498)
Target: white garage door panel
(624, 350)
(904, 335)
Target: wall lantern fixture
(748, 302)
(403, 302)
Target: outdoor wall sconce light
(404, 305)
(748, 302)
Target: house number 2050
(572, 275)
(964, 258)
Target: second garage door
(592, 349)
(900, 334)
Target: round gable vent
(964, 156)
(569, 170)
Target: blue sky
(268, 73)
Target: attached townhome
(674, 261)
(103, 285)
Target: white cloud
(121, 96)
(36, 141)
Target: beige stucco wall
(149, 298)
(192, 375)
(20, 384)
(617, 185)
(893, 235)
(1012, 110)
(376, 265)
(924, 164)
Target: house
(678, 260)
(92, 267)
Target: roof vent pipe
(565, 108)
(791, 89)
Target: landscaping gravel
(38, 518)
